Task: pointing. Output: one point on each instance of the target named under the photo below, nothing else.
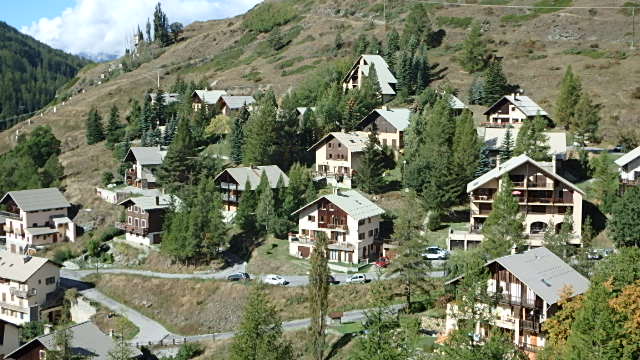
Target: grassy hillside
(237, 54)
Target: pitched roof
(303, 109)
(168, 98)
(37, 199)
(147, 155)
(210, 96)
(456, 103)
(397, 117)
(355, 141)
(20, 268)
(511, 164)
(522, 102)
(352, 202)
(254, 174)
(628, 157)
(148, 203)
(86, 340)
(236, 102)
(494, 137)
(385, 77)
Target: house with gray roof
(349, 220)
(338, 156)
(36, 217)
(390, 124)
(9, 337)
(144, 217)
(233, 182)
(229, 104)
(207, 98)
(629, 168)
(167, 98)
(494, 139)
(527, 288)
(360, 70)
(513, 110)
(145, 162)
(87, 341)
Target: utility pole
(633, 25)
(384, 14)
(158, 79)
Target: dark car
(332, 280)
(242, 276)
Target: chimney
(47, 329)
(111, 333)
(336, 191)
(385, 107)
(157, 200)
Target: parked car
(241, 276)
(356, 278)
(275, 280)
(382, 262)
(435, 253)
(332, 280)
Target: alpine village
(327, 179)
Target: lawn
(272, 257)
(349, 327)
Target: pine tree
(466, 150)
(476, 91)
(484, 161)
(62, 341)
(170, 131)
(95, 133)
(392, 47)
(567, 100)
(179, 166)
(506, 149)
(289, 147)
(295, 195)
(159, 109)
(624, 220)
(586, 120)
(52, 172)
(146, 116)
(557, 240)
(417, 25)
(495, 84)
(236, 138)
(605, 181)
(473, 57)
(261, 132)
(161, 26)
(260, 333)
(246, 213)
(532, 140)
(265, 210)
(113, 126)
(504, 227)
(422, 70)
(369, 176)
(207, 219)
(307, 136)
(318, 294)
(122, 350)
(148, 31)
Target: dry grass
(205, 306)
(106, 320)
(272, 257)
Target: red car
(383, 262)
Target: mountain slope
(30, 72)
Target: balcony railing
(530, 348)
(229, 198)
(6, 305)
(332, 226)
(23, 294)
(530, 325)
(480, 212)
(306, 239)
(515, 300)
(132, 229)
(10, 215)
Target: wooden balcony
(132, 229)
(332, 226)
(23, 294)
(509, 299)
(530, 348)
(530, 325)
(481, 212)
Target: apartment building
(527, 288)
(390, 124)
(9, 338)
(338, 156)
(360, 70)
(36, 217)
(513, 110)
(350, 221)
(144, 218)
(544, 197)
(29, 289)
(232, 182)
(629, 168)
(145, 162)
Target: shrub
(289, 62)
(107, 178)
(109, 233)
(636, 93)
(267, 16)
(63, 254)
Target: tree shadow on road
(339, 344)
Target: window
(339, 145)
(130, 220)
(384, 142)
(135, 209)
(141, 211)
(393, 144)
(369, 220)
(329, 145)
(136, 223)
(361, 222)
(370, 233)
(42, 354)
(361, 236)
(321, 218)
(50, 280)
(143, 223)
(311, 218)
(330, 156)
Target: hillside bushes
(269, 15)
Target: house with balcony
(390, 124)
(29, 289)
(544, 197)
(360, 70)
(145, 162)
(9, 338)
(230, 105)
(494, 139)
(144, 218)
(207, 98)
(349, 220)
(36, 217)
(513, 110)
(338, 156)
(232, 183)
(629, 168)
(525, 290)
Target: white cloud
(104, 26)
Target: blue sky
(105, 26)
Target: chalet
(29, 289)
(457, 105)
(527, 288)
(232, 182)
(629, 167)
(338, 156)
(9, 338)
(230, 104)
(36, 217)
(146, 160)
(350, 221)
(513, 110)
(360, 70)
(87, 341)
(206, 97)
(302, 110)
(544, 197)
(168, 98)
(494, 140)
(390, 123)
(144, 218)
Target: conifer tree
(586, 120)
(207, 219)
(557, 239)
(532, 140)
(236, 138)
(52, 172)
(146, 116)
(369, 176)
(605, 184)
(95, 133)
(308, 135)
(246, 213)
(473, 57)
(392, 46)
(261, 133)
(113, 126)
(179, 165)
(265, 210)
(170, 131)
(504, 227)
(159, 109)
(506, 149)
(567, 100)
(476, 91)
(295, 195)
(466, 150)
(417, 25)
(161, 26)
(484, 161)
(370, 90)
(624, 220)
(148, 31)
(122, 350)
(495, 83)
(318, 291)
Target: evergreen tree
(207, 221)
(586, 120)
(558, 241)
(259, 336)
(261, 133)
(484, 161)
(605, 181)
(161, 26)
(236, 138)
(466, 150)
(473, 57)
(113, 126)
(146, 116)
(476, 91)
(246, 213)
(330, 109)
(295, 195)
(62, 341)
(370, 90)
(122, 350)
(52, 172)
(504, 227)
(265, 210)
(495, 84)
(567, 100)
(148, 31)
(308, 135)
(179, 166)
(417, 25)
(289, 147)
(369, 176)
(158, 109)
(319, 296)
(422, 70)
(361, 44)
(170, 131)
(95, 133)
(392, 47)
(532, 140)
(506, 149)
(624, 222)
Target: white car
(435, 253)
(275, 280)
(356, 278)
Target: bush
(109, 233)
(187, 351)
(107, 178)
(93, 247)
(636, 93)
(63, 254)
(267, 16)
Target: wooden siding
(336, 150)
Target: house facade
(9, 338)
(493, 138)
(360, 70)
(544, 198)
(144, 218)
(207, 98)
(232, 183)
(145, 162)
(36, 217)
(230, 105)
(527, 288)
(513, 110)
(29, 289)
(338, 156)
(390, 124)
(629, 168)
(350, 221)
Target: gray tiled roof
(35, 231)
(169, 98)
(456, 103)
(352, 202)
(355, 141)
(628, 157)
(524, 103)
(147, 155)
(148, 203)
(37, 199)
(210, 96)
(493, 138)
(385, 77)
(236, 102)
(14, 267)
(398, 117)
(253, 174)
